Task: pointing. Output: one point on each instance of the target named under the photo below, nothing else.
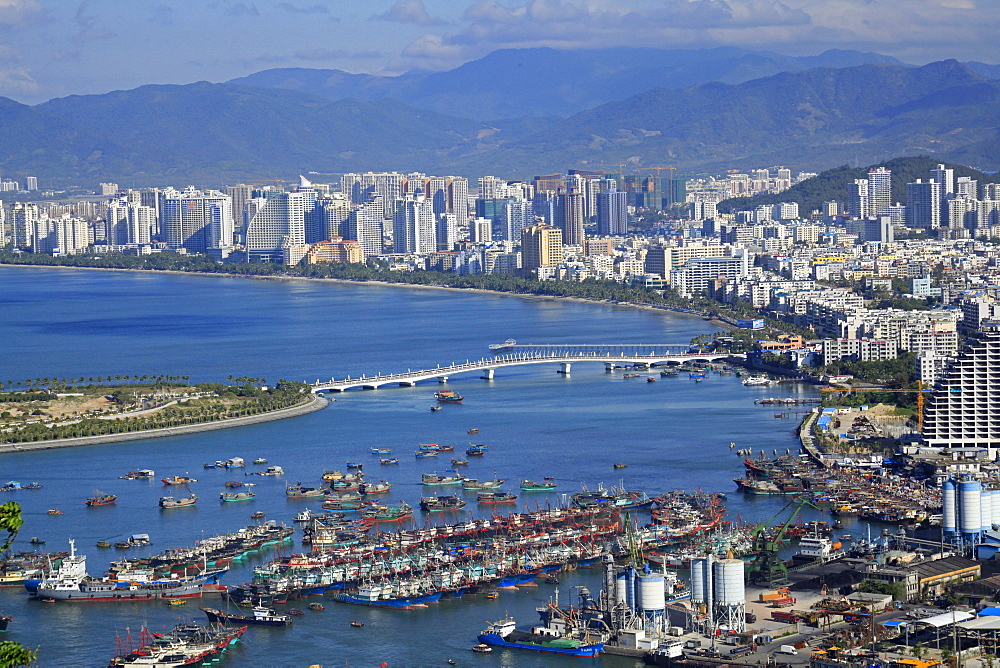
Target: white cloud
(920, 30)
(16, 82)
(410, 11)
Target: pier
(563, 357)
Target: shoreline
(579, 300)
(315, 403)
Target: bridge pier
(564, 367)
(488, 374)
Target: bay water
(673, 434)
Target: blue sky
(52, 48)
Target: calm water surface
(674, 434)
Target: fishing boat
(297, 491)
(233, 484)
(357, 466)
(35, 540)
(476, 450)
(178, 480)
(260, 460)
(620, 465)
(495, 497)
(388, 460)
(472, 431)
(141, 474)
(504, 633)
(104, 543)
(387, 513)
(344, 504)
(420, 454)
(380, 487)
(381, 451)
(448, 397)
(237, 496)
(55, 511)
(259, 515)
(459, 461)
(668, 374)
(435, 504)
(304, 515)
(259, 616)
(548, 483)
(188, 644)
(101, 499)
(11, 486)
(433, 479)
(473, 485)
(171, 502)
(271, 470)
(234, 463)
(318, 607)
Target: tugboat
(260, 615)
(448, 397)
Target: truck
(787, 649)
(786, 617)
(742, 650)
(783, 602)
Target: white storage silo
(949, 510)
(970, 516)
(621, 587)
(699, 582)
(986, 510)
(650, 595)
(729, 601)
(996, 507)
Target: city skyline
(98, 46)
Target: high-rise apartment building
(858, 203)
(569, 214)
(364, 225)
(541, 246)
(239, 195)
(515, 215)
(31, 183)
(413, 225)
(196, 220)
(22, 224)
(963, 411)
(332, 213)
(612, 212)
(458, 199)
(879, 191)
(361, 188)
(277, 222)
(923, 205)
(127, 222)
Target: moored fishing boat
(471, 484)
(459, 461)
(548, 483)
(178, 480)
(187, 644)
(495, 497)
(476, 450)
(448, 397)
(297, 491)
(420, 454)
(101, 499)
(387, 513)
(237, 496)
(380, 487)
(432, 479)
(171, 502)
(141, 474)
(259, 616)
(388, 460)
(433, 504)
(54, 511)
(504, 633)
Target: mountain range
(673, 108)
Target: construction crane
(768, 566)
(919, 390)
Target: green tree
(11, 653)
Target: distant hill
(801, 119)
(832, 184)
(511, 83)
(206, 133)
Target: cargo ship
(504, 633)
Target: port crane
(768, 566)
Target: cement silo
(949, 509)
(650, 598)
(970, 514)
(729, 601)
(996, 507)
(701, 584)
(986, 510)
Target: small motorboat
(35, 540)
(55, 511)
(482, 648)
(620, 465)
(295, 612)
(103, 543)
(492, 595)
(259, 515)
(260, 460)
(176, 601)
(650, 379)
(435, 408)
(357, 625)
(388, 460)
(317, 606)
(472, 431)
(123, 545)
(552, 580)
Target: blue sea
(673, 434)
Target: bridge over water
(510, 354)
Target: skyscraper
(128, 223)
(569, 214)
(277, 222)
(22, 224)
(879, 191)
(413, 225)
(458, 199)
(364, 225)
(923, 205)
(514, 217)
(858, 203)
(612, 212)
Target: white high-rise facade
(413, 225)
(923, 205)
(128, 223)
(858, 203)
(195, 220)
(277, 222)
(364, 225)
(879, 191)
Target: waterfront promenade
(314, 403)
